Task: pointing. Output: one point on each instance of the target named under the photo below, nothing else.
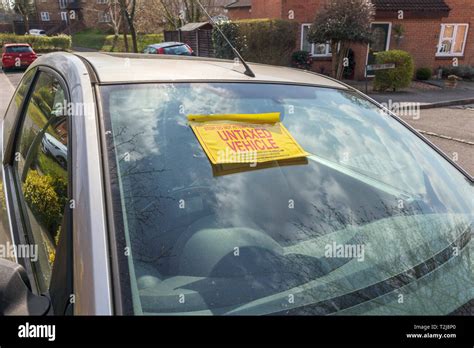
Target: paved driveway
(7, 87)
(452, 130)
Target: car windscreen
(181, 50)
(19, 49)
(369, 213)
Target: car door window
(41, 166)
(14, 107)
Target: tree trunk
(125, 35)
(340, 51)
(114, 42)
(26, 20)
(133, 32)
(334, 60)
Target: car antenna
(248, 71)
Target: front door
(380, 43)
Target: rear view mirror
(16, 297)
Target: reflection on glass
(374, 210)
(41, 164)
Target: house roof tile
(240, 3)
(411, 5)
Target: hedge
(39, 43)
(397, 78)
(268, 41)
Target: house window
(452, 39)
(45, 16)
(104, 17)
(316, 49)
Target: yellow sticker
(260, 138)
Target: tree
(128, 9)
(116, 16)
(342, 23)
(26, 9)
(176, 13)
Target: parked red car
(17, 56)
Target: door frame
(387, 46)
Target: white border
(455, 33)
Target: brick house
(239, 9)
(435, 32)
(55, 14)
(52, 15)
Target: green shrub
(268, 41)
(423, 74)
(397, 78)
(39, 43)
(463, 71)
(221, 47)
(301, 60)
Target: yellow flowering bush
(42, 198)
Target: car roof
(166, 44)
(17, 44)
(116, 67)
(119, 68)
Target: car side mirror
(16, 297)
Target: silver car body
(93, 283)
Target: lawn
(98, 40)
(90, 38)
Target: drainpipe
(197, 42)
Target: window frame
(63, 4)
(104, 17)
(18, 211)
(45, 17)
(120, 269)
(327, 54)
(453, 39)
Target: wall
(239, 13)
(267, 8)
(88, 14)
(51, 6)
